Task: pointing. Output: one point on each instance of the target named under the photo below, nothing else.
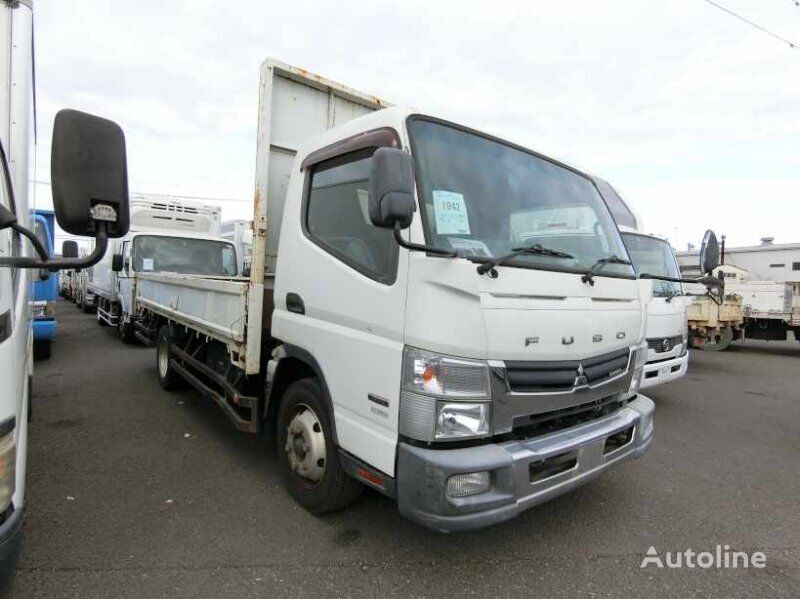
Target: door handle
(294, 303)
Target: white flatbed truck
(425, 355)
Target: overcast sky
(691, 114)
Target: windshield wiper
(670, 295)
(537, 249)
(600, 265)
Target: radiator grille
(531, 377)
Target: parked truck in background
(45, 289)
(667, 330)
(90, 198)
(166, 234)
(431, 311)
(770, 310)
(240, 233)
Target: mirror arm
(418, 247)
(90, 260)
(708, 281)
(37, 245)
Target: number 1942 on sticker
(450, 211)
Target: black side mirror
(709, 253)
(69, 249)
(116, 263)
(391, 189)
(89, 174)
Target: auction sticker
(451, 213)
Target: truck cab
(667, 323)
(45, 289)
(167, 234)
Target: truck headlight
(438, 397)
(462, 419)
(8, 469)
(444, 376)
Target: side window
(337, 217)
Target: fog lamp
(472, 483)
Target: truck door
(340, 296)
(125, 283)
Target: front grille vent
(532, 377)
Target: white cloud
(691, 112)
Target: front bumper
(10, 541)
(657, 373)
(422, 473)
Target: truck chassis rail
(185, 364)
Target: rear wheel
(719, 342)
(168, 377)
(308, 456)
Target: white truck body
(151, 216)
(549, 344)
(770, 309)
(667, 328)
(240, 234)
(667, 325)
(16, 361)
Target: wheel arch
(294, 363)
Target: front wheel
(168, 377)
(309, 458)
(126, 331)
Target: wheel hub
(305, 445)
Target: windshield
(485, 197)
(654, 256)
(153, 253)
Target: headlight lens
(437, 400)
(461, 419)
(8, 469)
(444, 376)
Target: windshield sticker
(451, 213)
(147, 264)
(470, 247)
(363, 202)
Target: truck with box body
(166, 234)
(89, 174)
(45, 289)
(471, 360)
(770, 309)
(240, 233)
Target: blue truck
(45, 288)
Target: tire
(720, 343)
(168, 378)
(126, 332)
(318, 484)
(100, 321)
(87, 308)
(42, 349)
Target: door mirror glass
(89, 174)
(709, 253)
(391, 188)
(116, 262)
(69, 249)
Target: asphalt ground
(136, 492)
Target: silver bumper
(658, 373)
(519, 469)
